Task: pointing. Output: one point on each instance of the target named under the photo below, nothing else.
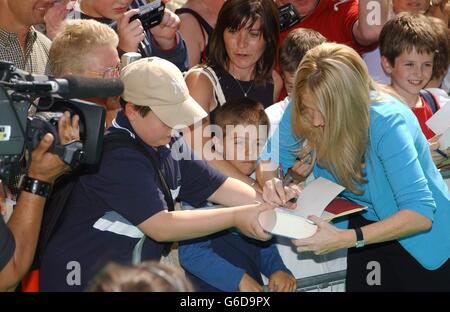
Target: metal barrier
(320, 282)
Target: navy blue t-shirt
(7, 244)
(100, 219)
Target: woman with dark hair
(240, 60)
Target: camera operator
(19, 238)
(20, 42)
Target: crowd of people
(220, 109)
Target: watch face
(360, 244)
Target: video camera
(288, 16)
(150, 14)
(19, 131)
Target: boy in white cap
(110, 211)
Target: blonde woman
(372, 144)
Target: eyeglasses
(109, 73)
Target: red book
(340, 207)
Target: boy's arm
(174, 226)
(271, 260)
(200, 260)
(272, 266)
(372, 15)
(25, 222)
(231, 171)
(281, 148)
(234, 192)
(177, 55)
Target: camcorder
(288, 16)
(150, 14)
(21, 131)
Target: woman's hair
(236, 14)
(148, 276)
(76, 38)
(337, 82)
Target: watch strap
(35, 186)
(359, 238)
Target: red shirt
(336, 26)
(423, 114)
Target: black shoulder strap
(208, 28)
(120, 139)
(429, 99)
(54, 207)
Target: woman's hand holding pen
(279, 192)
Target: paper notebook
(318, 198)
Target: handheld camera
(150, 14)
(288, 16)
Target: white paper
(444, 140)
(313, 200)
(294, 223)
(440, 121)
(280, 223)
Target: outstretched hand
(246, 220)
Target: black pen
(288, 179)
(443, 154)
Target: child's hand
(434, 146)
(281, 281)
(248, 284)
(304, 163)
(130, 34)
(165, 34)
(301, 170)
(246, 220)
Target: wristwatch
(359, 238)
(35, 186)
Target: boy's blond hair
(406, 32)
(74, 40)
